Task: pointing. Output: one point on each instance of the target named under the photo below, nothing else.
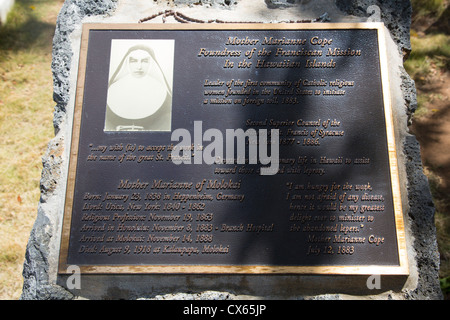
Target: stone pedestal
(41, 280)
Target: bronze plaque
(160, 181)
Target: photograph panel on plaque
(140, 85)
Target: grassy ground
(429, 66)
(26, 112)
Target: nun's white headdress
(136, 98)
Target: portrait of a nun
(139, 92)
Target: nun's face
(139, 63)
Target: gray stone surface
(38, 258)
(70, 18)
(421, 216)
(396, 15)
(40, 277)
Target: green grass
(430, 54)
(428, 51)
(430, 60)
(430, 8)
(26, 112)
(442, 221)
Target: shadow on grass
(24, 30)
(442, 24)
(433, 48)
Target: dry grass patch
(26, 115)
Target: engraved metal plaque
(159, 183)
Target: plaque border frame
(401, 270)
